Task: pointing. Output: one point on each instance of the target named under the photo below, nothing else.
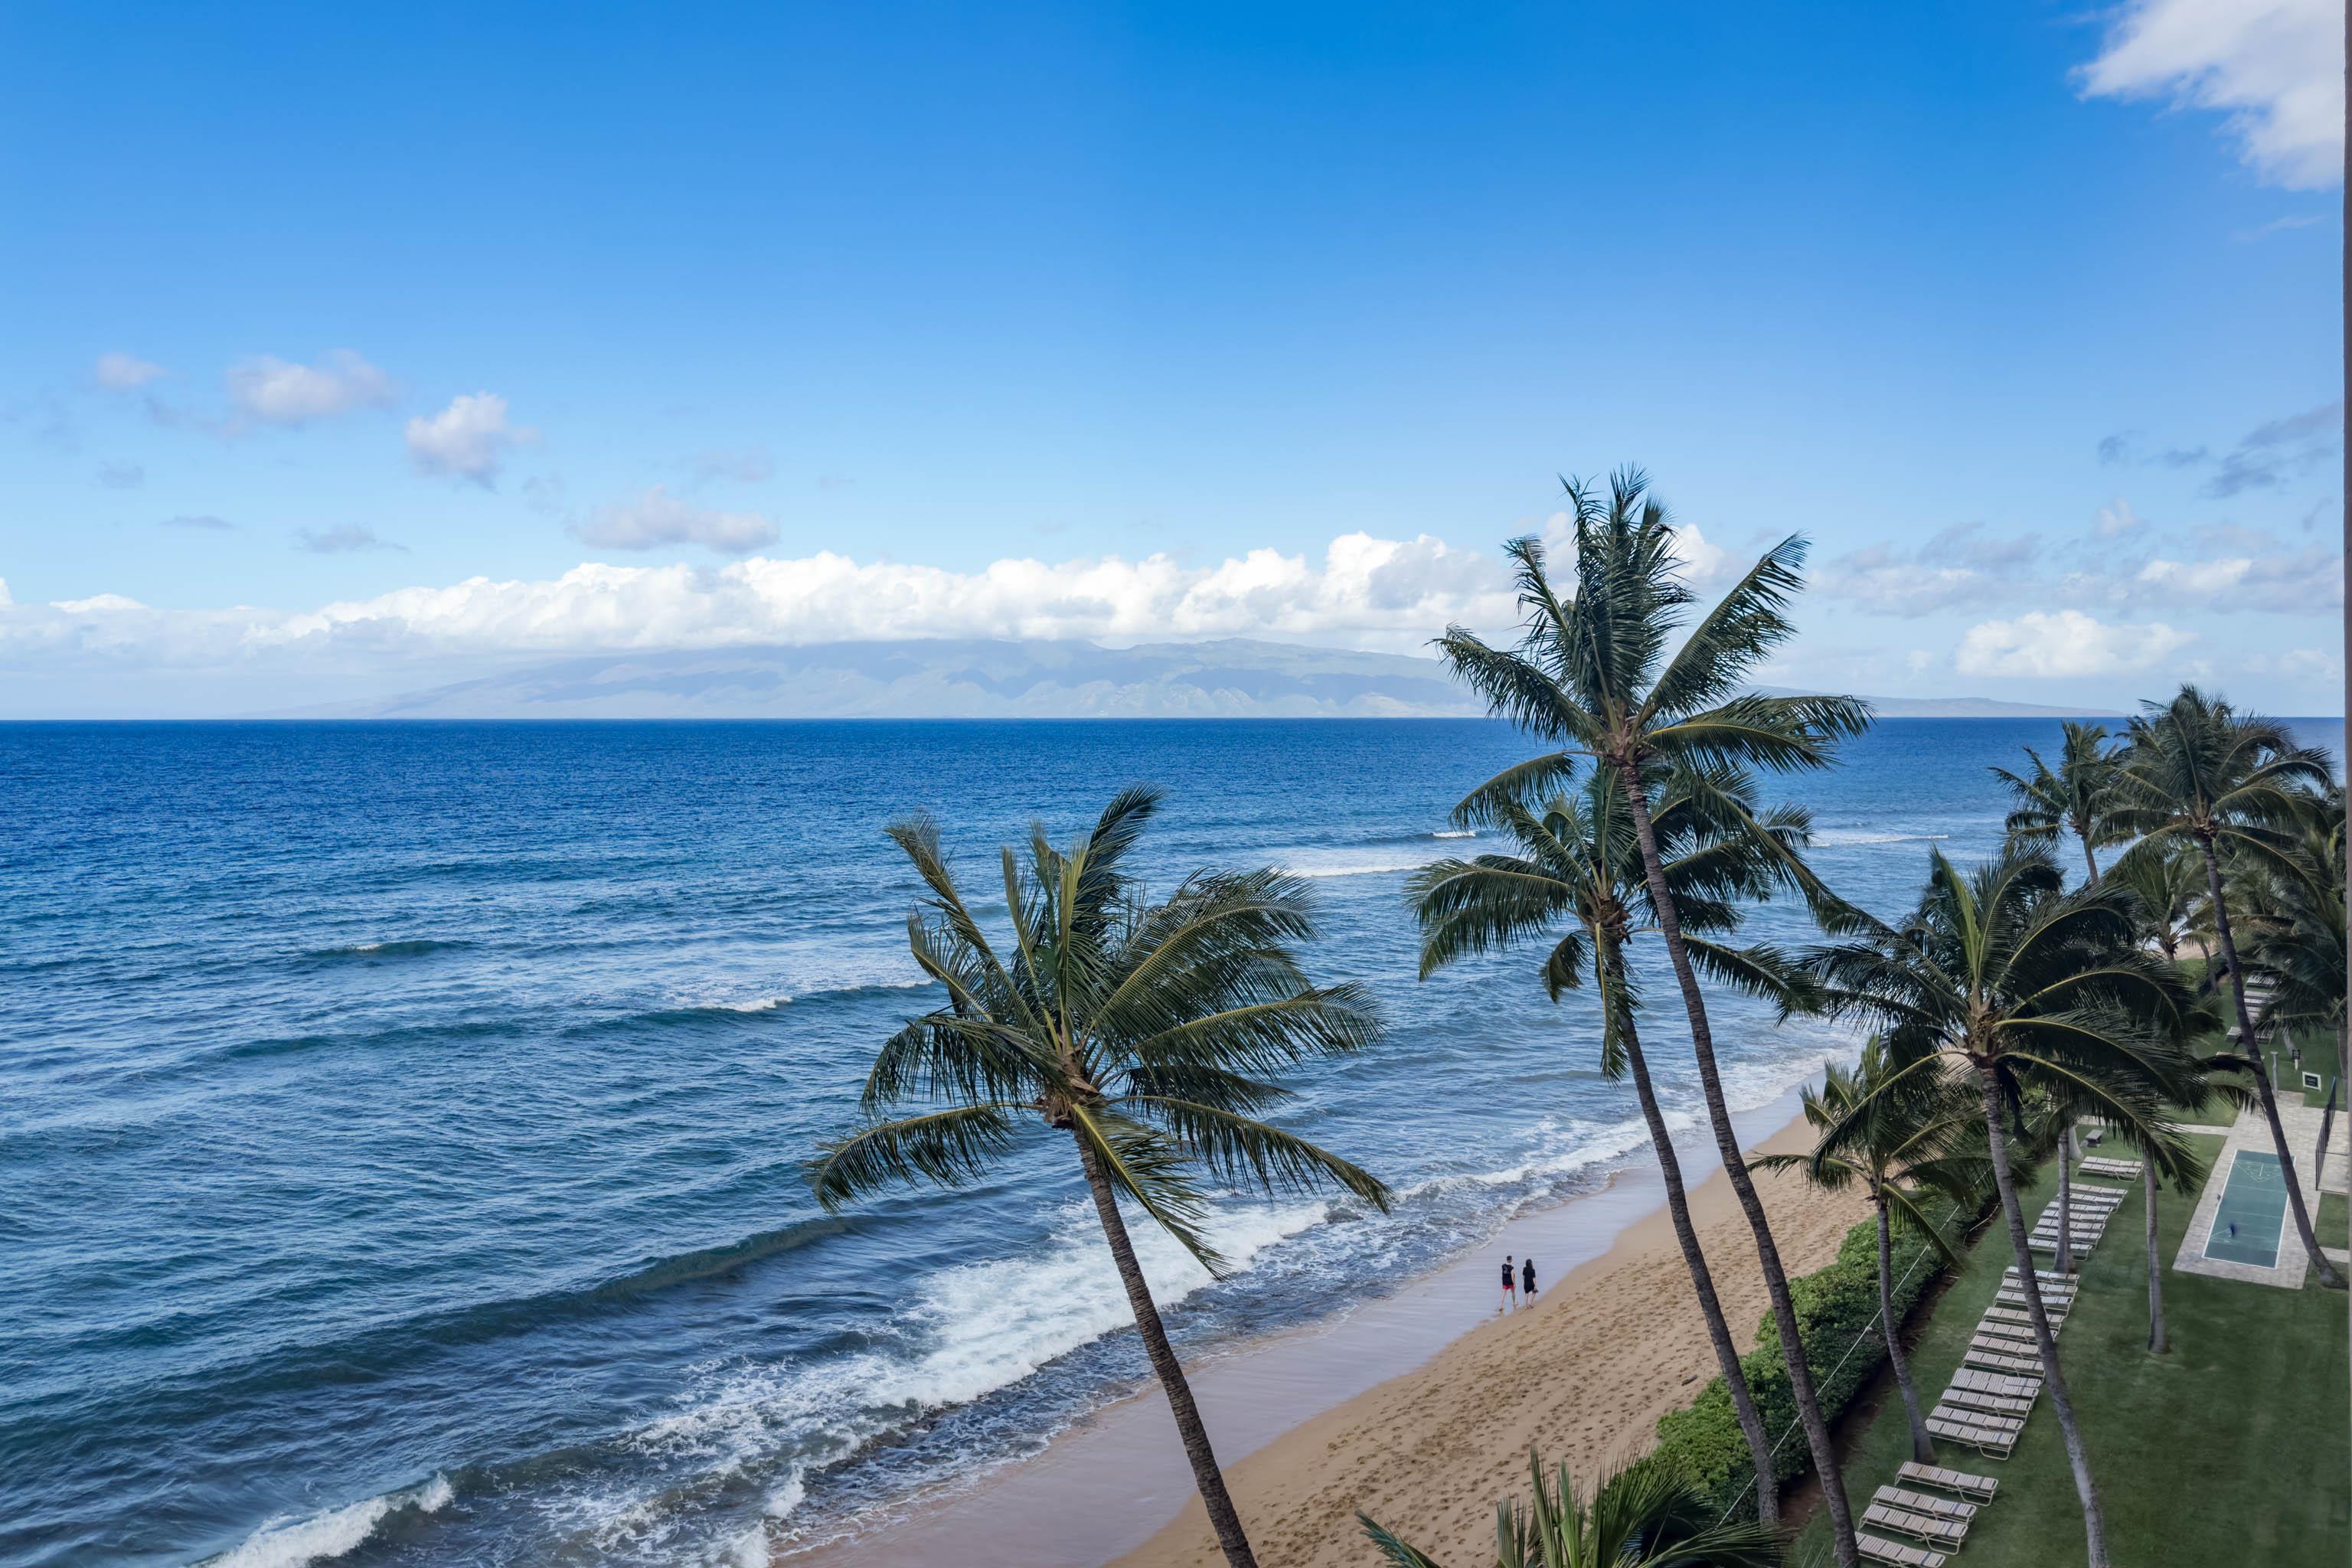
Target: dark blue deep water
(401, 1124)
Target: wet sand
(1418, 1407)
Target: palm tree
(1646, 1517)
(1147, 1034)
(2196, 773)
(1576, 880)
(1913, 1150)
(2169, 890)
(2293, 916)
(2002, 982)
(1594, 675)
(2070, 798)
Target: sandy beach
(1418, 1407)
(1583, 1376)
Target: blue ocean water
(404, 1123)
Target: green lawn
(2233, 1450)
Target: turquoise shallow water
(2251, 1216)
(403, 1122)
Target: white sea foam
(971, 1331)
(287, 1542)
(1456, 833)
(1321, 863)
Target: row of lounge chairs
(1913, 1524)
(2100, 1165)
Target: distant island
(1227, 678)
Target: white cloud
(2040, 644)
(2118, 519)
(466, 440)
(659, 518)
(1363, 591)
(271, 390)
(122, 373)
(2274, 67)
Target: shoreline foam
(1418, 1405)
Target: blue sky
(682, 327)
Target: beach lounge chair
(2051, 1300)
(1984, 1418)
(2057, 1296)
(1994, 1360)
(1985, 1441)
(1994, 1383)
(2017, 1298)
(1923, 1526)
(2047, 1276)
(1878, 1549)
(1980, 1488)
(1994, 1328)
(1925, 1502)
(2019, 1316)
(1998, 1345)
(1998, 1403)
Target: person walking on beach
(1510, 1284)
(1528, 1279)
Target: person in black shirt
(1527, 1277)
(1510, 1286)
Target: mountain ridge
(983, 679)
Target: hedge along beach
(1420, 1405)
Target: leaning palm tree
(1646, 1517)
(1917, 1152)
(2069, 799)
(1593, 674)
(1148, 1035)
(2199, 774)
(1575, 880)
(2001, 982)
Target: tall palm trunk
(2066, 1264)
(2088, 859)
(1205, 1474)
(2094, 1523)
(2229, 945)
(1718, 1332)
(2157, 1344)
(1718, 1115)
(1923, 1446)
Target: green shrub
(1837, 1318)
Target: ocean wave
(1844, 837)
(1322, 863)
(412, 948)
(287, 1542)
(968, 1333)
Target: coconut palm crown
(1597, 673)
(2002, 983)
(2072, 797)
(1918, 1152)
(1575, 883)
(1148, 1034)
(2202, 776)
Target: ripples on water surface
(403, 1122)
